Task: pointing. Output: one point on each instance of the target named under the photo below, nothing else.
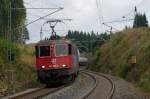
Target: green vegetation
(116, 57)
(16, 61)
(87, 42)
(14, 17)
(140, 20)
(18, 74)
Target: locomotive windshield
(62, 50)
(44, 51)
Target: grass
(19, 74)
(115, 57)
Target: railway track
(92, 89)
(79, 89)
(37, 93)
(111, 91)
(76, 90)
(88, 91)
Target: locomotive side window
(62, 50)
(44, 51)
(70, 49)
(37, 51)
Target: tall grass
(18, 74)
(115, 56)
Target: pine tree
(145, 20)
(69, 34)
(140, 20)
(86, 40)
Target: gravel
(81, 86)
(102, 89)
(125, 90)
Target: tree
(18, 18)
(90, 41)
(145, 20)
(25, 36)
(140, 20)
(69, 34)
(4, 17)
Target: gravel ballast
(82, 85)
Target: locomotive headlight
(43, 67)
(64, 65)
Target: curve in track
(109, 96)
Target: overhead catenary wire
(100, 12)
(38, 17)
(36, 8)
(126, 15)
(39, 9)
(121, 20)
(33, 8)
(118, 21)
(42, 17)
(101, 19)
(111, 27)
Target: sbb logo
(53, 61)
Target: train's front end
(54, 61)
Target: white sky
(85, 14)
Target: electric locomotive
(56, 61)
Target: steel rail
(109, 96)
(41, 92)
(92, 89)
(38, 93)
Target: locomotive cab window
(63, 49)
(44, 51)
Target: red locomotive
(56, 61)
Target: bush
(20, 73)
(114, 57)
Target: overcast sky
(85, 14)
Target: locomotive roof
(48, 42)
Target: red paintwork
(54, 64)
(47, 62)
